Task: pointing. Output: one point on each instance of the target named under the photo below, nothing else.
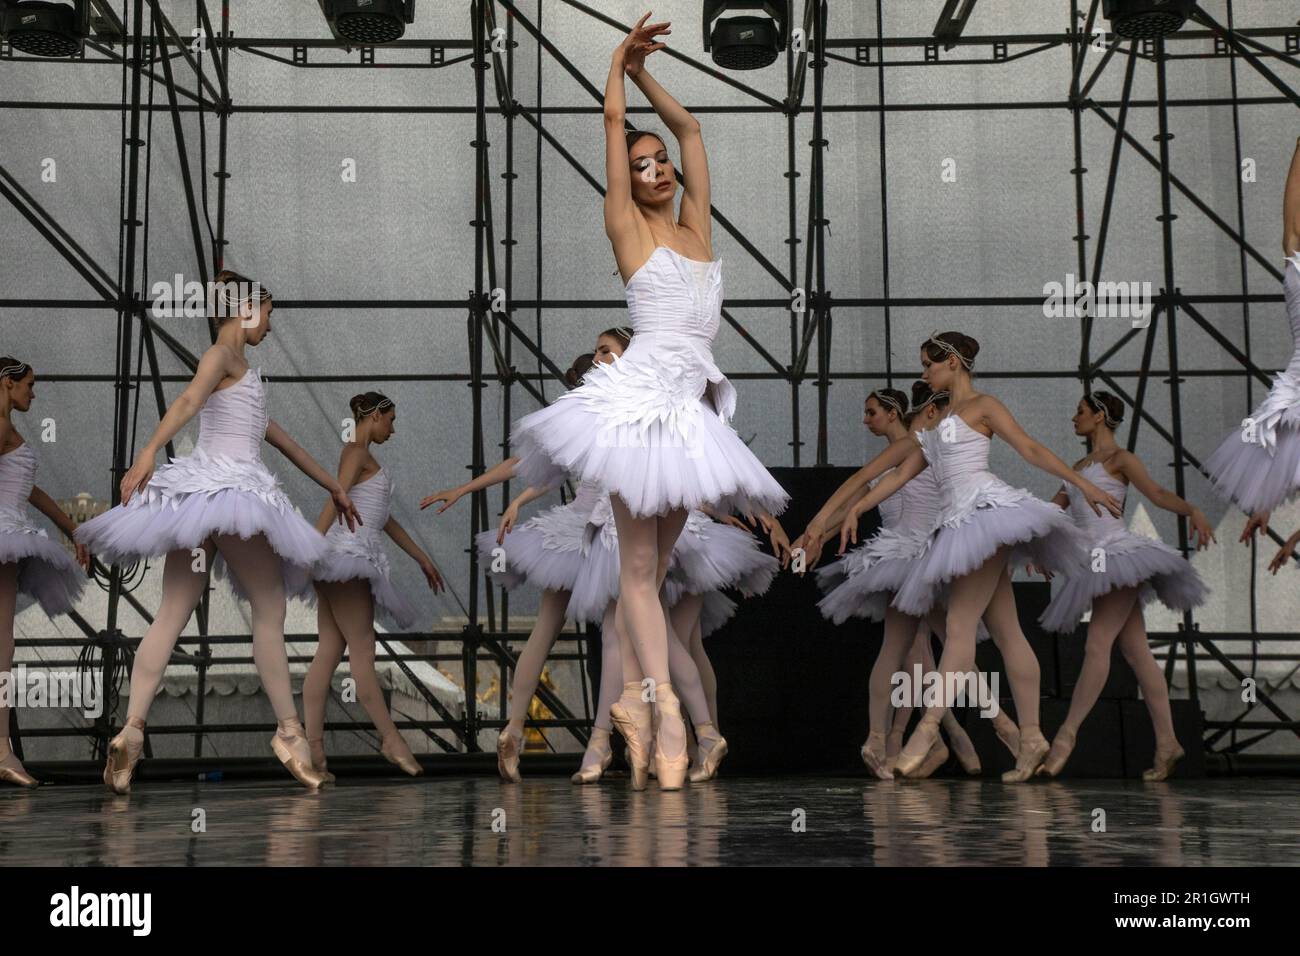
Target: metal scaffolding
(151, 44)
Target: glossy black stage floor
(459, 820)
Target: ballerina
(350, 584)
(32, 567)
(983, 522)
(221, 500)
(863, 582)
(1258, 466)
(1127, 570)
(651, 428)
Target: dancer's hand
(780, 542)
(1258, 522)
(347, 511)
(508, 519)
(640, 42)
(137, 476)
(431, 575)
(1032, 569)
(449, 495)
(1284, 553)
(1098, 499)
(1201, 530)
(83, 555)
(849, 530)
(733, 521)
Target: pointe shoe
(707, 768)
(1164, 764)
(873, 755)
(1007, 732)
(13, 772)
(1062, 747)
(396, 752)
(936, 758)
(913, 755)
(670, 771)
(1033, 750)
(961, 745)
(508, 749)
(318, 758)
(596, 759)
(123, 754)
(632, 718)
(291, 748)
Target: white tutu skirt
(357, 565)
(1257, 477)
(192, 498)
(47, 573)
(546, 551)
(716, 611)
(1131, 561)
(1039, 532)
(639, 428)
(862, 583)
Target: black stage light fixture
(368, 22)
(39, 28)
(746, 43)
(1146, 19)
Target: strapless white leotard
(46, 571)
(652, 426)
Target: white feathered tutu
(360, 555)
(1257, 467)
(652, 426)
(547, 551)
(1120, 559)
(222, 488)
(981, 514)
(47, 573)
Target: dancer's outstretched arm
(407, 544)
(1131, 467)
(498, 473)
(832, 514)
(911, 466)
(1291, 207)
(217, 362)
(1003, 424)
(279, 439)
(47, 506)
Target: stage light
(746, 43)
(1146, 19)
(368, 22)
(39, 28)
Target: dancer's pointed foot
(1164, 763)
(961, 744)
(713, 747)
(670, 771)
(874, 755)
(13, 772)
(1033, 750)
(918, 746)
(290, 745)
(124, 752)
(633, 719)
(509, 747)
(318, 762)
(397, 752)
(1062, 747)
(1007, 731)
(935, 759)
(596, 759)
